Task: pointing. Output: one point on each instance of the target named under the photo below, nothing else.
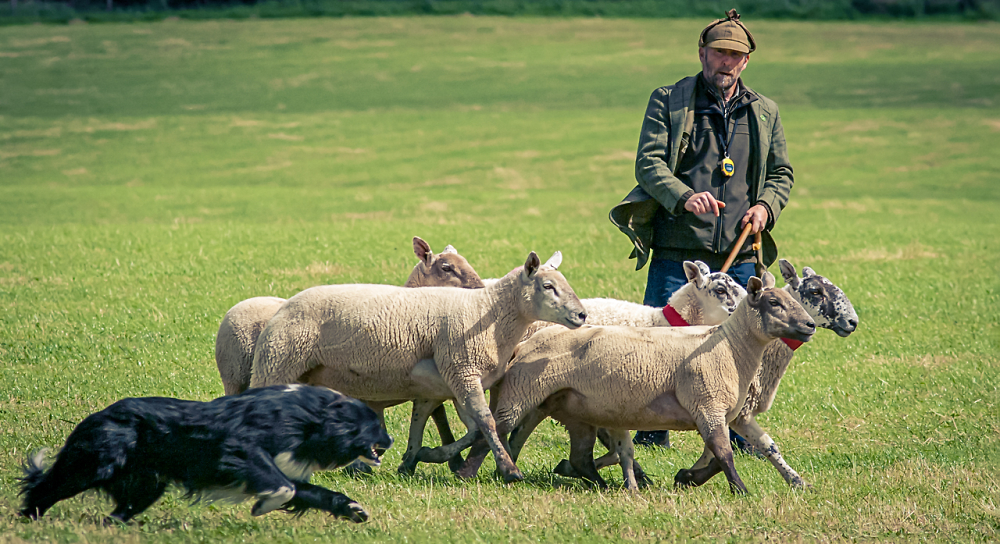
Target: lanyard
(726, 164)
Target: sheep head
(780, 314)
(549, 293)
(717, 294)
(446, 269)
(824, 301)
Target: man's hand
(756, 215)
(704, 202)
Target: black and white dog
(264, 443)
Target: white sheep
(708, 298)
(829, 308)
(238, 332)
(374, 342)
(243, 323)
(623, 378)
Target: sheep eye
(549, 286)
(720, 291)
(817, 292)
(446, 267)
(774, 302)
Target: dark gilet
(682, 235)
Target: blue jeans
(665, 278)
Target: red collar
(675, 318)
(794, 344)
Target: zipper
(720, 221)
(727, 111)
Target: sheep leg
(716, 437)
(564, 468)
(621, 441)
(704, 460)
(520, 434)
(443, 453)
(604, 435)
(440, 418)
(582, 438)
(481, 447)
(473, 401)
(750, 430)
(693, 477)
(418, 421)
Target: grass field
(153, 175)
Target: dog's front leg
(313, 496)
(266, 482)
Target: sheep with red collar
(830, 309)
(623, 378)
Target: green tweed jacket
(666, 132)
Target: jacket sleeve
(652, 170)
(778, 177)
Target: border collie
(264, 444)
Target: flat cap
(728, 33)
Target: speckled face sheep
(708, 298)
(373, 342)
(830, 309)
(622, 378)
(238, 332)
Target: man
(711, 159)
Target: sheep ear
(531, 265)
(755, 288)
(449, 249)
(555, 260)
(705, 270)
(695, 274)
(423, 251)
(806, 272)
(768, 279)
(788, 273)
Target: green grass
(153, 175)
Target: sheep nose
(811, 326)
(582, 316)
(852, 324)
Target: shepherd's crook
(736, 248)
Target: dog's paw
(354, 512)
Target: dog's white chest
(295, 470)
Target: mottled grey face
(716, 294)
(725, 289)
(824, 301)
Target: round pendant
(728, 167)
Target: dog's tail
(34, 475)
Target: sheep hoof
(799, 483)
(643, 481)
(685, 478)
(513, 476)
(407, 467)
(455, 463)
(466, 473)
(358, 468)
(564, 468)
